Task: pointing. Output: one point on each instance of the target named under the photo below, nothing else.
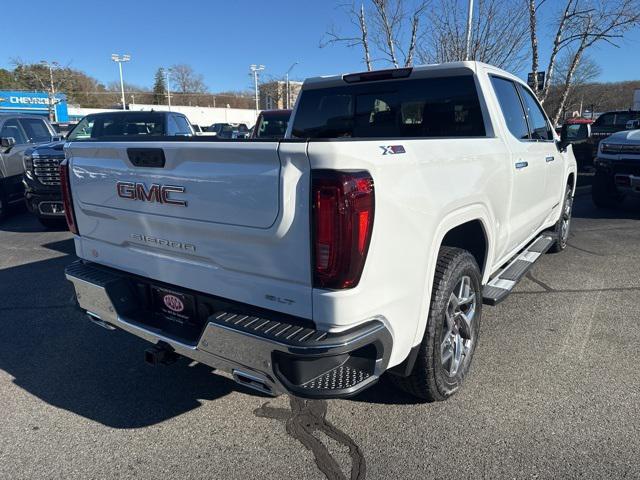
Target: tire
(52, 223)
(603, 191)
(561, 229)
(448, 338)
(3, 202)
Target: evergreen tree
(159, 88)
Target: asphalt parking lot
(554, 390)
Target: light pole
(53, 114)
(254, 70)
(467, 51)
(287, 85)
(169, 70)
(119, 59)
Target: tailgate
(225, 218)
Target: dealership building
(36, 103)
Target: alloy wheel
(457, 337)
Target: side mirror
(7, 142)
(563, 143)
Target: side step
(500, 286)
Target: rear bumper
(269, 354)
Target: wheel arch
(472, 237)
(475, 219)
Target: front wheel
(452, 331)
(3, 202)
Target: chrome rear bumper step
(272, 355)
(500, 286)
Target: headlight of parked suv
(27, 160)
(609, 148)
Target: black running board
(500, 286)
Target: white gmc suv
(366, 241)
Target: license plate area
(175, 312)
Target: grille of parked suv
(627, 168)
(46, 169)
(617, 148)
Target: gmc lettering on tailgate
(155, 193)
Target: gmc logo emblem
(155, 193)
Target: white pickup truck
(366, 241)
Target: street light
(119, 59)
(288, 89)
(53, 114)
(168, 72)
(254, 70)
(467, 50)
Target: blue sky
(219, 39)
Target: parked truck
(366, 241)
(617, 169)
(41, 162)
(19, 133)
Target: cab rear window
(423, 108)
(119, 124)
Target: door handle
(550, 158)
(521, 165)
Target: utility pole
(169, 88)
(119, 59)
(287, 85)
(53, 114)
(467, 53)
(254, 70)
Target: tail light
(343, 211)
(67, 200)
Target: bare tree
(186, 80)
(581, 25)
(586, 72)
(388, 29)
(498, 34)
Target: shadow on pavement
(54, 353)
(629, 209)
(386, 393)
(19, 220)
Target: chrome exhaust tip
(251, 381)
(98, 321)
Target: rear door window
(511, 107)
(182, 125)
(36, 130)
(539, 128)
(423, 108)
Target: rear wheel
(453, 326)
(561, 228)
(604, 192)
